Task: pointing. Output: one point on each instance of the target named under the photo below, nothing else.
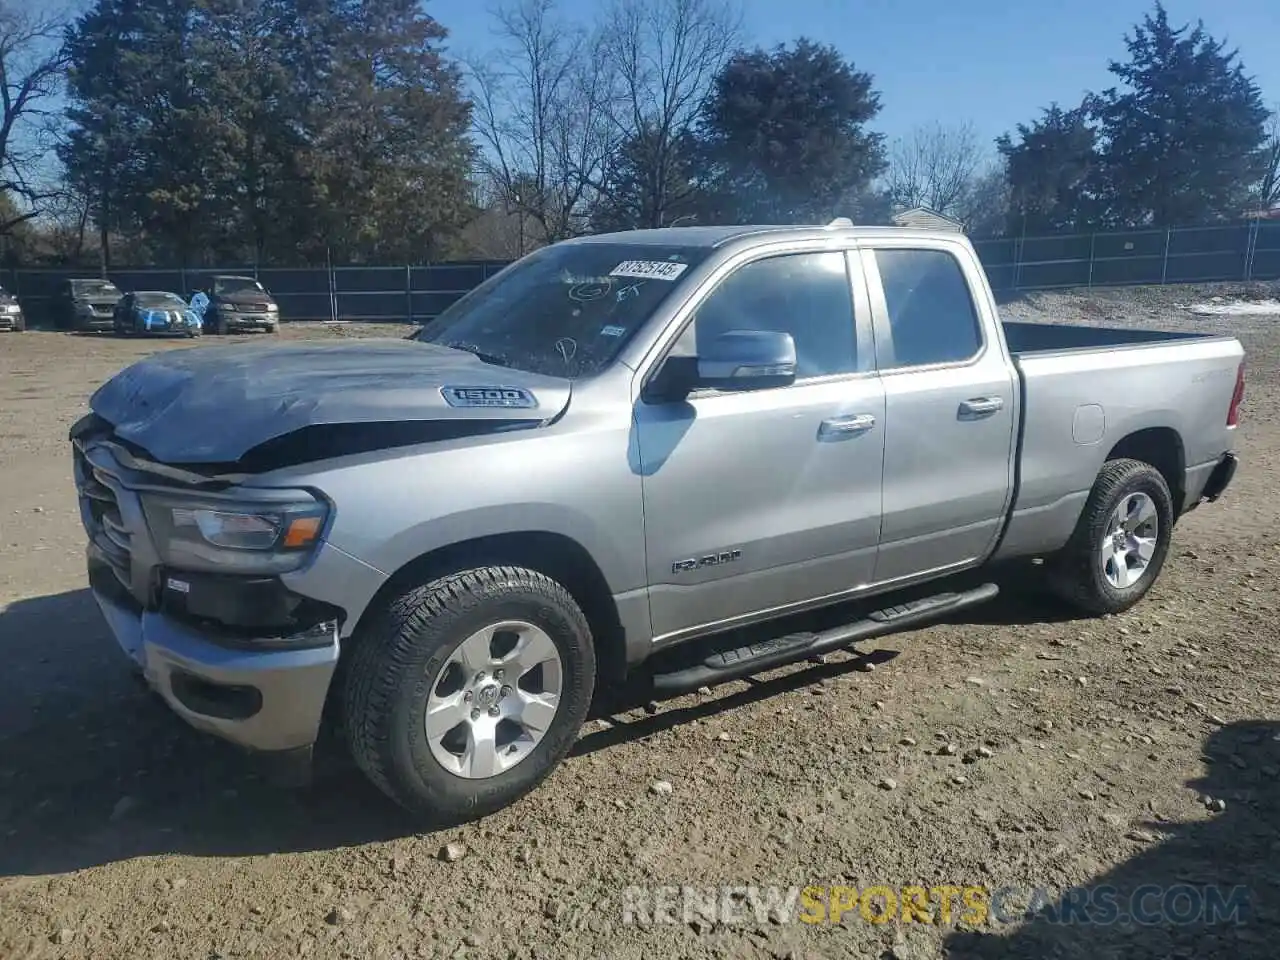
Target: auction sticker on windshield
(649, 269)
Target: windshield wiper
(490, 358)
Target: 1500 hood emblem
(488, 397)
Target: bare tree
(32, 67)
(984, 210)
(935, 166)
(496, 232)
(66, 220)
(667, 53)
(540, 112)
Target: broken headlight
(265, 531)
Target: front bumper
(235, 657)
(261, 699)
(249, 321)
(95, 321)
(10, 321)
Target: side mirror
(735, 360)
(747, 360)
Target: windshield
(565, 310)
(149, 298)
(235, 285)
(95, 288)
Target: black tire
(396, 660)
(1076, 573)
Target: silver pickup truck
(617, 446)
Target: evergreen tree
(1182, 138)
(784, 136)
(1050, 169)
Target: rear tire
(428, 649)
(1120, 542)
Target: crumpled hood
(214, 404)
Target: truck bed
(1084, 389)
(1024, 338)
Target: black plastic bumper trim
(224, 701)
(1221, 478)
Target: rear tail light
(1233, 412)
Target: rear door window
(931, 314)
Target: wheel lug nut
(494, 711)
(467, 696)
(504, 693)
(497, 674)
(480, 675)
(475, 714)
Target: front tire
(466, 692)
(1120, 542)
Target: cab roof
(719, 236)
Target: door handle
(981, 407)
(846, 426)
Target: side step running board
(779, 651)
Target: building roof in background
(925, 218)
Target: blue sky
(992, 62)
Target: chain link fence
(1247, 251)
(405, 294)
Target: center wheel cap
(487, 695)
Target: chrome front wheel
(494, 699)
(462, 694)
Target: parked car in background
(155, 311)
(239, 303)
(11, 312)
(85, 304)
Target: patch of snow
(1237, 308)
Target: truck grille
(102, 520)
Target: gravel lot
(1014, 747)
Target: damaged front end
(225, 591)
(248, 408)
(193, 577)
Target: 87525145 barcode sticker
(649, 269)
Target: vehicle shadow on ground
(1207, 889)
(94, 768)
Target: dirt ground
(1015, 749)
